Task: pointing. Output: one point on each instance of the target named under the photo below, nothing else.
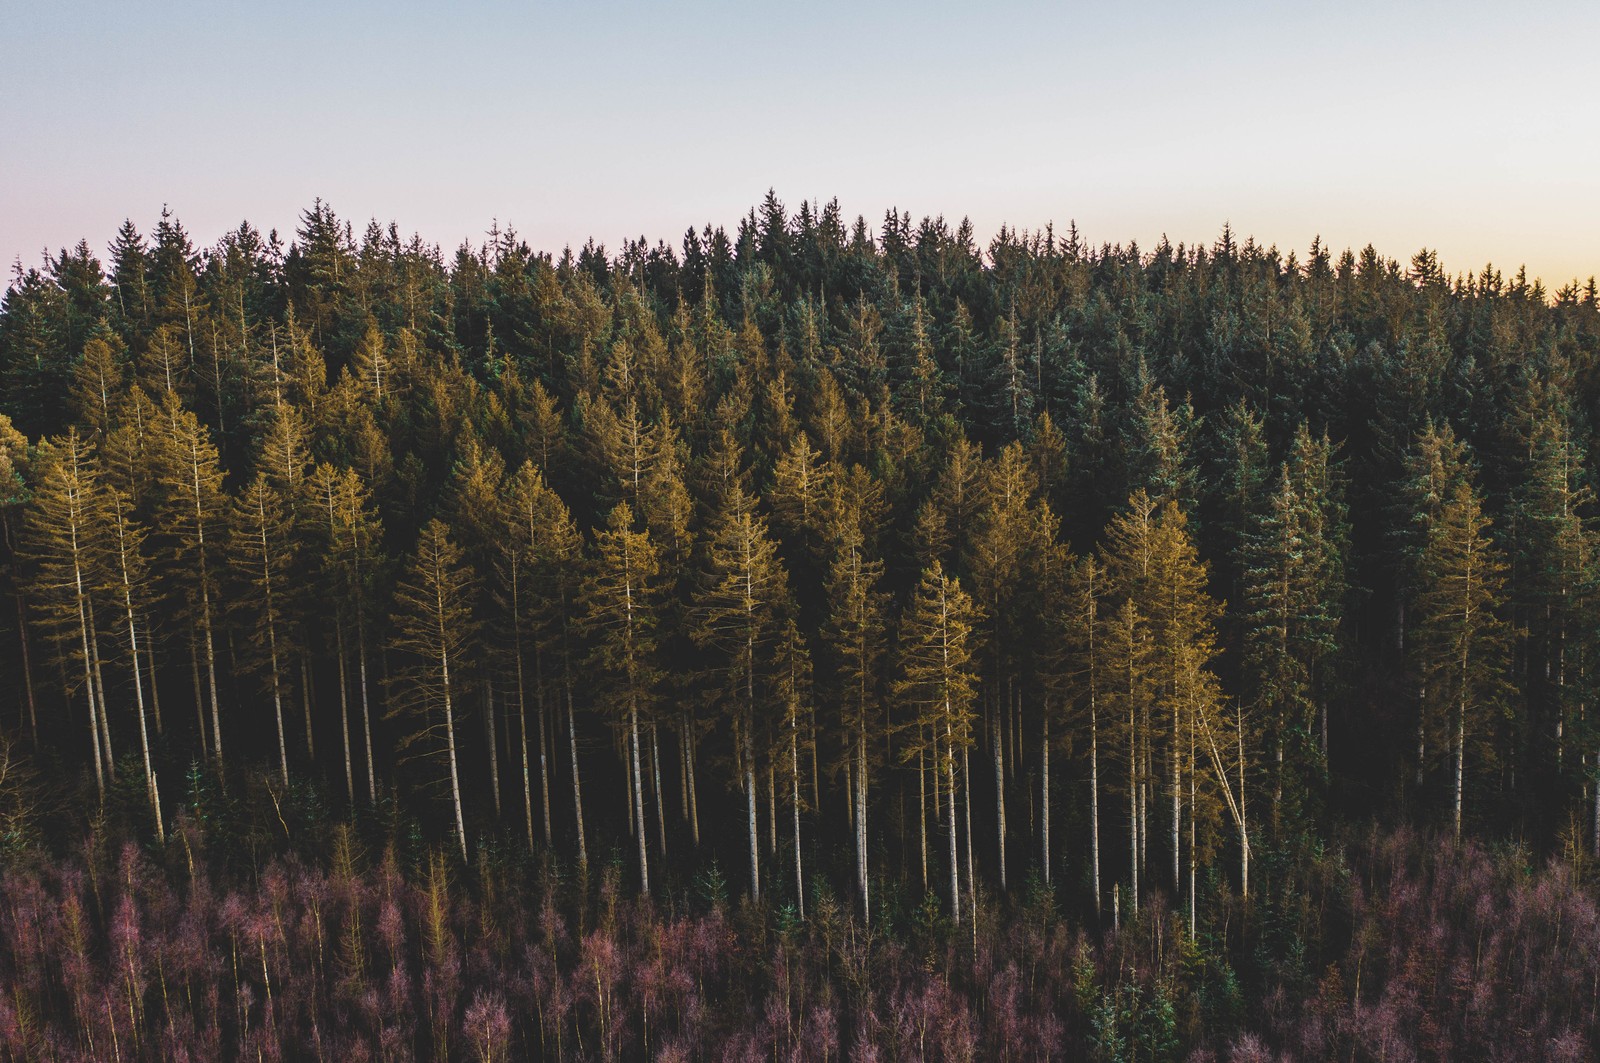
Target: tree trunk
(638, 794)
(950, 788)
(366, 710)
(577, 783)
(694, 797)
(661, 804)
(1044, 793)
(1094, 800)
(922, 814)
(490, 733)
(344, 713)
(27, 671)
(450, 744)
(794, 805)
(999, 790)
(305, 702)
(863, 883)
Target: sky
(1469, 128)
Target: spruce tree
(434, 633)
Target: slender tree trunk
(1044, 793)
(772, 811)
(450, 745)
(199, 694)
(794, 805)
(966, 812)
(694, 797)
(344, 713)
(305, 704)
(638, 794)
(577, 782)
(661, 804)
(1461, 753)
(366, 710)
(155, 687)
(100, 694)
(490, 733)
(138, 690)
(922, 814)
(1094, 800)
(522, 731)
(950, 789)
(999, 791)
(277, 696)
(211, 665)
(683, 768)
(863, 882)
(1133, 812)
(88, 677)
(27, 670)
(1177, 802)
(750, 750)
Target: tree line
(811, 549)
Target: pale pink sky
(1466, 127)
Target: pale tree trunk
(88, 676)
(205, 607)
(1193, 831)
(863, 882)
(772, 810)
(922, 814)
(27, 670)
(638, 794)
(966, 813)
(450, 744)
(577, 781)
(344, 713)
(150, 664)
(794, 805)
(138, 690)
(199, 692)
(522, 728)
(749, 748)
(100, 694)
(950, 789)
(1133, 812)
(305, 702)
(494, 742)
(366, 710)
(694, 797)
(277, 696)
(998, 744)
(661, 804)
(1094, 800)
(1177, 804)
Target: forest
(814, 641)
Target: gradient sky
(1471, 128)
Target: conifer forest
(829, 639)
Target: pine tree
(1462, 641)
(191, 513)
(619, 608)
(937, 684)
(67, 549)
(263, 553)
(346, 542)
(434, 631)
(735, 616)
(853, 634)
(792, 687)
